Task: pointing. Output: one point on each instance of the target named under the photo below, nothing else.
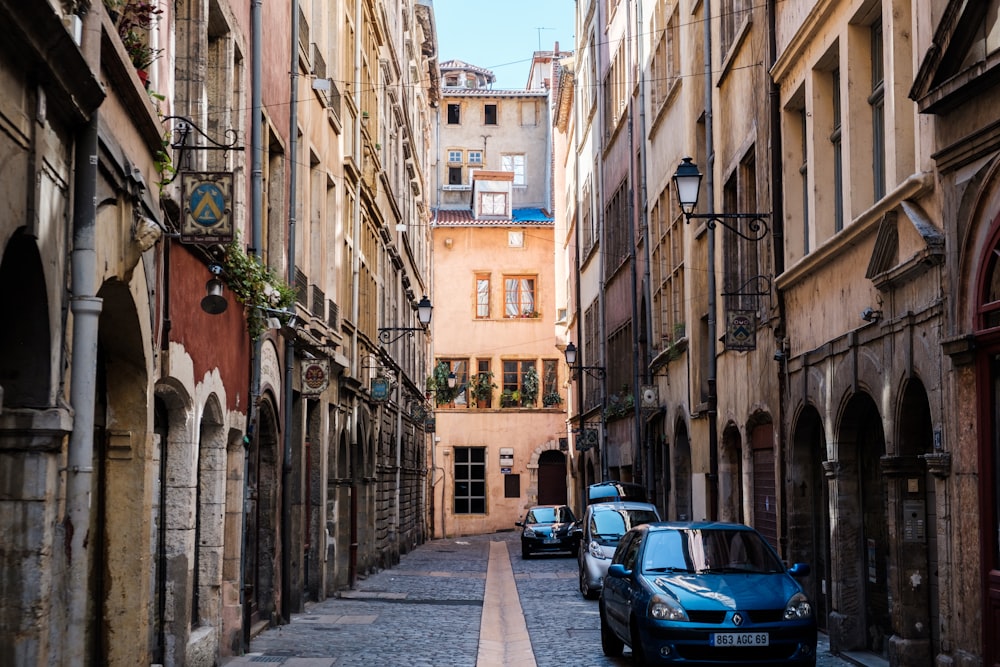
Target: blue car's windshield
(714, 550)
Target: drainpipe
(778, 245)
(644, 234)
(399, 456)
(713, 437)
(637, 449)
(289, 403)
(256, 200)
(86, 308)
(355, 306)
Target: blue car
(705, 593)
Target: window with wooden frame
(519, 296)
(460, 367)
(483, 296)
(517, 163)
(470, 480)
(513, 387)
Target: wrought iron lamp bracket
(185, 128)
(756, 223)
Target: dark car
(548, 528)
(607, 492)
(705, 593)
(601, 529)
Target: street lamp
(593, 371)
(599, 373)
(387, 335)
(687, 182)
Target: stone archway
(552, 478)
(807, 508)
(731, 476)
(862, 618)
(535, 461)
(120, 582)
(681, 457)
(914, 566)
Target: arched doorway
(552, 478)
(120, 476)
(808, 508)
(913, 494)
(260, 575)
(731, 476)
(862, 527)
(25, 363)
(987, 341)
(682, 473)
(661, 466)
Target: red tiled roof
(462, 217)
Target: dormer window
(493, 203)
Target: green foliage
(510, 398)
(551, 398)
(481, 386)
(133, 20)
(621, 404)
(529, 386)
(438, 383)
(255, 286)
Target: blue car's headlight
(663, 608)
(798, 607)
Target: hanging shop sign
(208, 207)
(315, 376)
(741, 330)
(380, 389)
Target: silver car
(600, 530)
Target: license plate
(740, 639)
(551, 540)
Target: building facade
(497, 441)
(213, 223)
(819, 329)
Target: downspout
(644, 234)
(289, 402)
(355, 296)
(256, 178)
(637, 356)
(713, 437)
(86, 308)
(399, 459)
(777, 251)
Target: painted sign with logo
(380, 389)
(207, 198)
(741, 330)
(315, 376)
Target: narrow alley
(465, 601)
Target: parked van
(607, 492)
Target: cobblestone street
(427, 611)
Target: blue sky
(501, 35)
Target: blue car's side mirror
(618, 570)
(799, 570)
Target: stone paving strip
(448, 603)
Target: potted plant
(510, 398)
(529, 387)
(551, 398)
(481, 388)
(256, 286)
(133, 20)
(438, 385)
